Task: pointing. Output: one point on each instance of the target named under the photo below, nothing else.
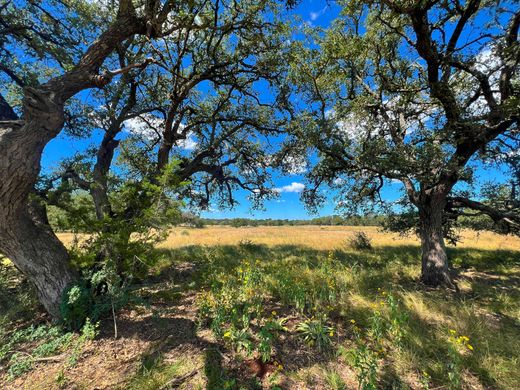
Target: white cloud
(189, 143)
(293, 187)
(150, 127)
(146, 125)
(295, 165)
(315, 15)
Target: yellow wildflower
(352, 321)
(470, 347)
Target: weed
(19, 365)
(360, 242)
(316, 332)
(334, 381)
(365, 360)
(457, 345)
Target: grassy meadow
(283, 308)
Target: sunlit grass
(311, 270)
(486, 310)
(318, 237)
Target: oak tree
(415, 92)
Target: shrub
(95, 296)
(360, 242)
(316, 332)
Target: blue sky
(288, 206)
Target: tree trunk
(42, 258)
(31, 246)
(435, 266)
(99, 188)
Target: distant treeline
(335, 220)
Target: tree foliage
(410, 92)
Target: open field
(322, 237)
(290, 308)
(316, 237)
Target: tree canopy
(413, 92)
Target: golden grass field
(320, 237)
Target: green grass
(371, 310)
(347, 285)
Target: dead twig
(176, 382)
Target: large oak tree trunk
(435, 266)
(42, 258)
(32, 246)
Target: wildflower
(273, 312)
(227, 334)
(382, 303)
(470, 347)
(352, 321)
(452, 331)
(331, 333)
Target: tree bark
(435, 265)
(31, 246)
(99, 188)
(6, 112)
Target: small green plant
(19, 365)
(88, 333)
(240, 339)
(52, 346)
(398, 318)
(360, 242)
(364, 358)
(98, 294)
(316, 332)
(334, 381)
(457, 345)
(90, 330)
(424, 380)
(49, 340)
(61, 379)
(246, 244)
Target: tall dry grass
(319, 237)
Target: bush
(360, 241)
(93, 298)
(316, 332)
